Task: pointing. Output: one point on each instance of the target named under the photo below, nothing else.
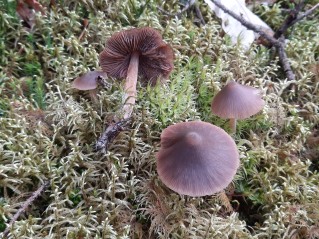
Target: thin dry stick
(279, 35)
(306, 14)
(291, 16)
(284, 61)
(290, 21)
(109, 134)
(25, 205)
(187, 6)
(278, 44)
(199, 14)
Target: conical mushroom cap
(88, 80)
(237, 101)
(155, 56)
(196, 158)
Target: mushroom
(138, 51)
(196, 158)
(236, 101)
(88, 81)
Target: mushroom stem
(93, 96)
(129, 100)
(232, 124)
(130, 86)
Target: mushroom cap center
(193, 138)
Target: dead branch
(25, 205)
(306, 14)
(276, 43)
(185, 8)
(199, 14)
(284, 61)
(110, 134)
(247, 24)
(291, 17)
(189, 5)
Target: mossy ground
(48, 129)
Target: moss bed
(48, 129)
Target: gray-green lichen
(48, 129)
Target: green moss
(9, 7)
(31, 68)
(75, 197)
(35, 91)
(173, 102)
(4, 107)
(2, 225)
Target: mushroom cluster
(129, 54)
(196, 158)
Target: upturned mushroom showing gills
(129, 54)
(196, 158)
(236, 101)
(138, 51)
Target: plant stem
(232, 124)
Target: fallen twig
(25, 205)
(109, 134)
(306, 14)
(275, 42)
(284, 61)
(199, 14)
(187, 6)
(291, 17)
(247, 24)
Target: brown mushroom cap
(88, 80)
(155, 56)
(196, 158)
(237, 101)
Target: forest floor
(48, 129)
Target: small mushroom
(88, 81)
(196, 158)
(138, 51)
(236, 101)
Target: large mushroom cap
(155, 56)
(196, 158)
(237, 101)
